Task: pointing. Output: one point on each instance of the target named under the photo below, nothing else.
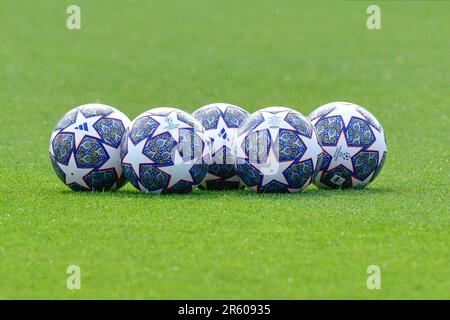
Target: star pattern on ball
(356, 183)
(313, 149)
(52, 137)
(341, 153)
(239, 152)
(113, 161)
(351, 111)
(114, 115)
(83, 126)
(169, 123)
(135, 156)
(274, 122)
(145, 190)
(74, 174)
(272, 169)
(118, 116)
(379, 145)
(179, 171)
(221, 136)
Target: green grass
(139, 54)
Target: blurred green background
(136, 55)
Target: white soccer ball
(354, 145)
(85, 147)
(221, 122)
(165, 150)
(277, 150)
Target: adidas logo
(223, 133)
(82, 127)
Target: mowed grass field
(136, 55)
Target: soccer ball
(277, 150)
(221, 122)
(165, 150)
(84, 147)
(353, 142)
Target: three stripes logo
(82, 127)
(223, 133)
